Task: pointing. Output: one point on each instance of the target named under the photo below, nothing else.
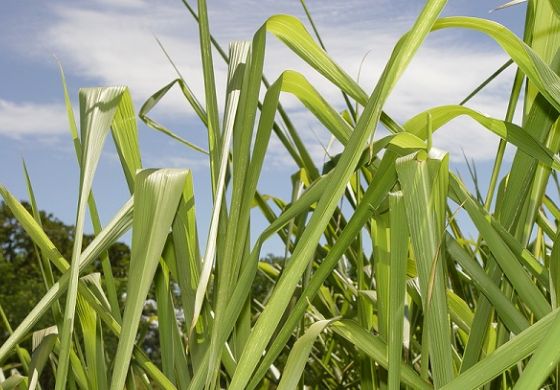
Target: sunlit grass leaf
(397, 286)
(544, 360)
(97, 109)
(152, 102)
(299, 355)
(424, 195)
(156, 197)
(505, 356)
(43, 344)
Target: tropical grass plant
(426, 308)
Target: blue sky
(105, 42)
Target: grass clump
(429, 308)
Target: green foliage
(427, 307)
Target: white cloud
(113, 47)
(179, 162)
(23, 119)
(124, 4)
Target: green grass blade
(214, 135)
(166, 322)
(187, 92)
(188, 262)
(43, 345)
(14, 382)
(505, 130)
(238, 55)
(156, 196)
(94, 215)
(505, 356)
(397, 287)
(299, 355)
(152, 101)
(296, 84)
(424, 196)
(34, 230)
(46, 268)
(487, 81)
(93, 343)
(97, 108)
(544, 79)
(125, 135)
(544, 360)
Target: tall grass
(429, 308)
